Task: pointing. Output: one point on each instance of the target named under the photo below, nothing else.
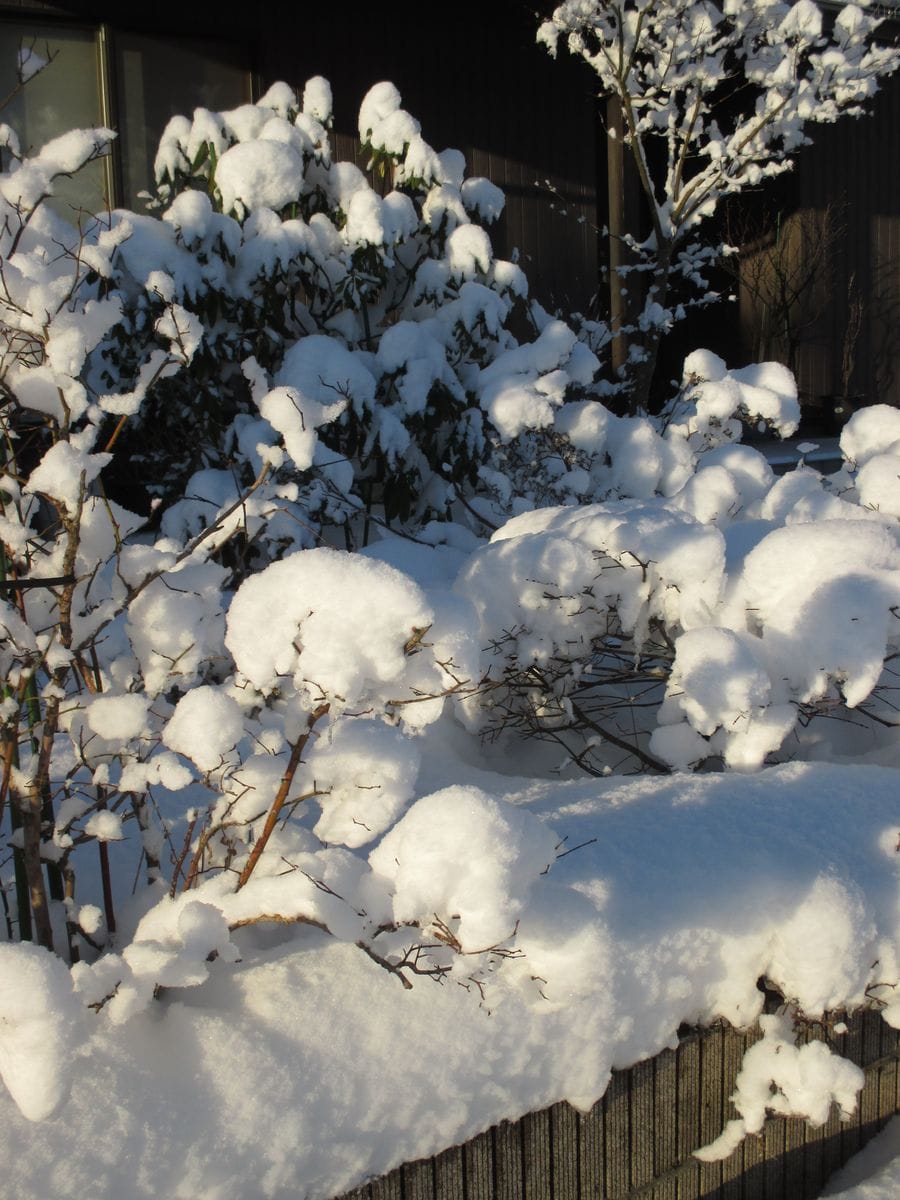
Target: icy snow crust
(631, 935)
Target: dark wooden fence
(636, 1143)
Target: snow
(39, 1018)
(29, 181)
(104, 826)
(366, 774)
(427, 859)
(317, 99)
(260, 173)
(64, 473)
(778, 1077)
(364, 218)
(468, 251)
(296, 419)
(483, 197)
(322, 369)
(878, 483)
(630, 930)
(332, 621)
(380, 105)
(870, 432)
(205, 727)
(830, 591)
(874, 1173)
(117, 717)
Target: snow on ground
(306, 1067)
(874, 1173)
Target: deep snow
(305, 1067)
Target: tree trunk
(639, 396)
(31, 805)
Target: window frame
(105, 34)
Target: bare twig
(282, 794)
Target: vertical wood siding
(636, 1142)
(856, 165)
(484, 87)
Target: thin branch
(281, 796)
(390, 967)
(649, 760)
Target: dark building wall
(472, 75)
(854, 166)
(836, 214)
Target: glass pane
(158, 77)
(64, 96)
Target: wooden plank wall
(636, 1143)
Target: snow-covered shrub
(737, 618)
(358, 347)
(132, 703)
(252, 735)
(132, 698)
(357, 339)
(62, 582)
(587, 453)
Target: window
(131, 82)
(62, 97)
(156, 78)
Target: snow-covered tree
(715, 98)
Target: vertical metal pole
(112, 164)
